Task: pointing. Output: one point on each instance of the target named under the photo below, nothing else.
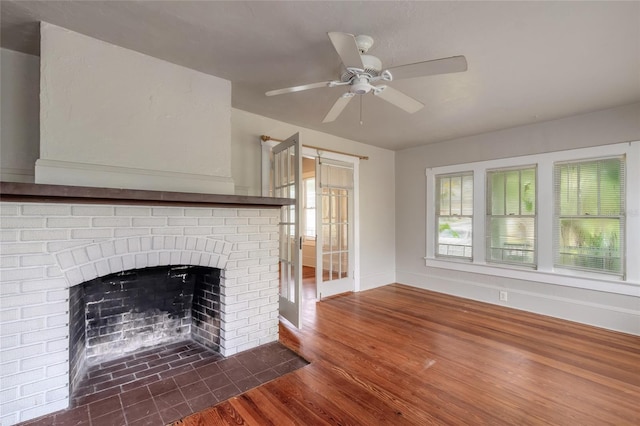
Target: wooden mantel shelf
(37, 193)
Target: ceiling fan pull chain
(361, 109)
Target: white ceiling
(528, 61)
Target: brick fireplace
(56, 238)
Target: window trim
(546, 272)
(461, 175)
(488, 216)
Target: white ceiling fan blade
(298, 88)
(436, 66)
(337, 108)
(345, 45)
(398, 99)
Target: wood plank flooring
(400, 355)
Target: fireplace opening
(117, 314)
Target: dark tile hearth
(160, 385)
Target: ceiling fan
(363, 70)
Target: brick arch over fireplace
(84, 263)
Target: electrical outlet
(503, 296)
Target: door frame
(268, 145)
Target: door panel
(334, 207)
(287, 181)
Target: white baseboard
(370, 281)
(80, 174)
(10, 174)
(611, 317)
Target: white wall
(113, 117)
(610, 126)
(377, 186)
(19, 116)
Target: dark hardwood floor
(400, 355)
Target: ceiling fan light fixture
(361, 86)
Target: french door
(334, 228)
(286, 175)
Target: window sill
(567, 278)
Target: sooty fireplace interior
(120, 313)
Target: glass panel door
(334, 206)
(287, 181)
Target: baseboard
(10, 174)
(611, 317)
(96, 175)
(369, 281)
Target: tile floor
(164, 384)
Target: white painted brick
(141, 260)
(8, 209)
(130, 232)
(269, 338)
(58, 369)
(133, 211)
(248, 295)
(8, 236)
(236, 307)
(8, 394)
(268, 308)
(128, 262)
(92, 211)
(260, 221)
(211, 221)
(175, 257)
(39, 310)
(16, 354)
(63, 245)
(149, 221)
(43, 409)
(23, 326)
(247, 246)
(167, 231)
(251, 263)
(133, 245)
(108, 248)
(225, 212)
(248, 329)
(249, 229)
(201, 243)
(23, 403)
(91, 233)
(46, 210)
(37, 260)
(248, 213)
(44, 235)
(56, 296)
(259, 237)
(236, 238)
(12, 367)
(21, 248)
(256, 319)
(258, 253)
(236, 221)
(167, 211)
(94, 252)
(165, 258)
(268, 292)
(110, 222)
(238, 255)
(102, 267)
(8, 342)
(66, 259)
(230, 344)
(230, 291)
(145, 243)
(215, 261)
(58, 345)
(182, 221)
(43, 335)
(259, 285)
(219, 230)
(9, 314)
(74, 276)
(258, 334)
(58, 320)
(247, 313)
(88, 272)
(53, 272)
(153, 259)
(248, 279)
(80, 256)
(121, 246)
(157, 243)
(22, 222)
(198, 230)
(43, 285)
(9, 261)
(269, 245)
(198, 212)
(68, 222)
(57, 394)
(42, 361)
(19, 300)
(195, 258)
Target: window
(511, 216)
(589, 215)
(454, 215)
(309, 208)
